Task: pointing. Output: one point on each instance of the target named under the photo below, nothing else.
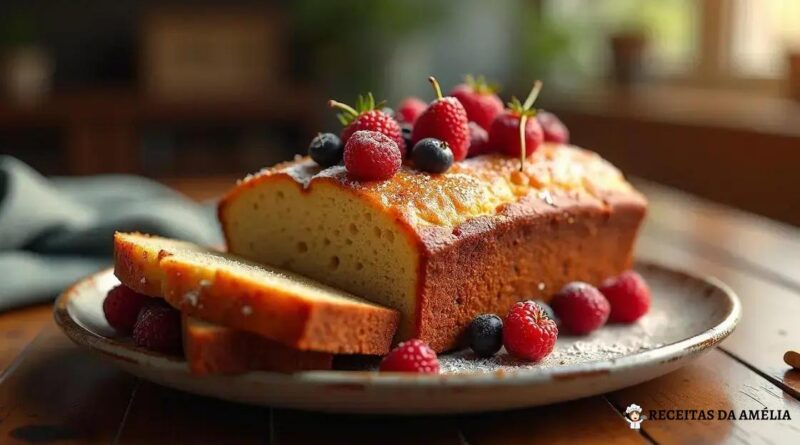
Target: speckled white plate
(690, 315)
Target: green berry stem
(523, 120)
(344, 107)
(537, 87)
(436, 87)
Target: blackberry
(432, 155)
(326, 149)
(486, 334)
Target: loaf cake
(442, 248)
(224, 289)
(215, 349)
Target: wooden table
(53, 392)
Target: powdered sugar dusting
(667, 322)
(192, 297)
(608, 343)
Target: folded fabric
(54, 231)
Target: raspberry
(411, 356)
(554, 129)
(581, 308)
(158, 328)
(368, 115)
(444, 119)
(478, 140)
(371, 156)
(479, 100)
(410, 109)
(528, 333)
(628, 295)
(504, 134)
(121, 307)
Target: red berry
(479, 100)
(628, 295)
(581, 307)
(478, 140)
(528, 333)
(371, 156)
(158, 328)
(444, 119)
(554, 130)
(368, 116)
(504, 134)
(410, 109)
(121, 307)
(411, 356)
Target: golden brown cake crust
(214, 349)
(489, 235)
(137, 267)
(530, 254)
(231, 300)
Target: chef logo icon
(633, 415)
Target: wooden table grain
(53, 392)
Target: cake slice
(442, 248)
(137, 260)
(224, 289)
(215, 349)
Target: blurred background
(702, 95)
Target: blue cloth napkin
(55, 231)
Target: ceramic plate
(690, 315)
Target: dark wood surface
(53, 392)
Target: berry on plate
(432, 155)
(158, 328)
(121, 308)
(554, 130)
(410, 109)
(326, 149)
(479, 100)
(367, 115)
(528, 333)
(505, 133)
(485, 335)
(580, 307)
(444, 119)
(628, 295)
(478, 140)
(371, 156)
(411, 356)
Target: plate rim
(523, 376)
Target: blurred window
(708, 40)
(762, 32)
(669, 25)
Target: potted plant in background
(628, 50)
(344, 46)
(27, 67)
